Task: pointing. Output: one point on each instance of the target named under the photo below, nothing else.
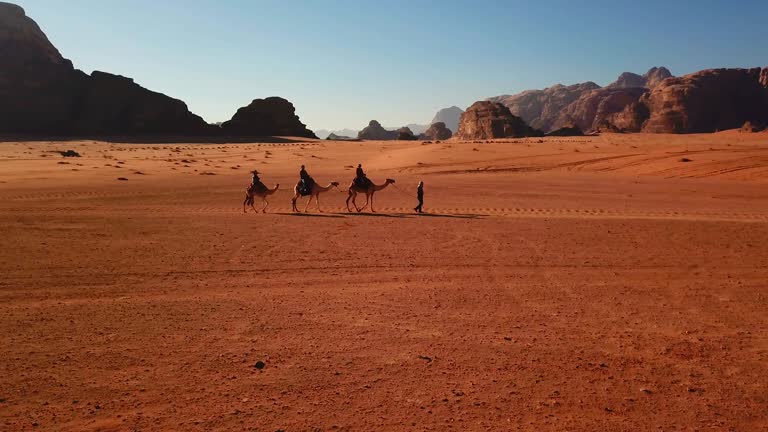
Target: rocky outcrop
(586, 104)
(592, 108)
(405, 134)
(438, 131)
(542, 108)
(648, 80)
(265, 117)
(750, 127)
(486, 120)
(449, 117)
(375, 131)
(42, 93)
(705, 101)
(564, 131)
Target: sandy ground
(596, 283)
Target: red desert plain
(612, 283)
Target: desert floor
(612, 283)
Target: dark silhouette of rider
(360, 179)
(306, 180)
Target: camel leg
(367, 198)
(309, 201)
(293, 203)
(317, 201)
(266, 204)
(372, 210)
(245, 202)
(348, 198)
(251, 201)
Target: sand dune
(592, 283)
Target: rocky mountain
(649, 80)
(449, 117)
(584, 105)
(270, 116)
(438, 131)
(541, 108)
(705, 101)
(375, 131)
(486, 120)
(42, 93)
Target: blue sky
(343, 63)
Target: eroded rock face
(438, 131)
(586, 104)
(375, 131)
(541, 108)
(593, 107)
(487, 120)
(264, 117)
(707, 101)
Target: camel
(264, 192)
(314, 193)
(372, 188)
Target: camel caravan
(308, 187)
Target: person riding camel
(256, 183)
(306, 181)
(360, 177)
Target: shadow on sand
(321, 215)
(388, 215)
(454, 216)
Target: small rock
(259, 365)
(122, 179)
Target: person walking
(420, 196)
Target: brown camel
(354, 189)
(252, 192)
(314, 193)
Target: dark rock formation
(705, 101)
(112, 104)
(42, 93)
(567, 131)
(270, 116)
(438, 131)
(486, 119)
(374, 131)
(405, 134)
(449, 117)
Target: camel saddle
(363, 182)
(305, 186)
(257, 188)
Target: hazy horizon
(344, 63)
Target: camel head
(390, 181)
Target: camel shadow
(320, 215)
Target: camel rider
(360, 178)
(306, 181)
(256, 183)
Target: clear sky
(345, 62)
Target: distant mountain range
(449, 116)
